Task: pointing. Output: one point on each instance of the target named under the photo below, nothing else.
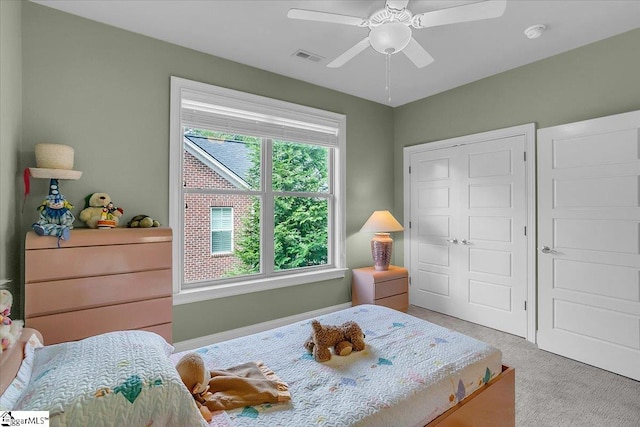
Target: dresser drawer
(75, 325)
(68, 263)
(165, 331)
(77, 294)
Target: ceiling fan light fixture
(390, 27)
(390, 37)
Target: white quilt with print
(410, 372)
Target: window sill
(263, 284)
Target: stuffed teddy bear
(99, 211)
(142, 221)
(9, 329)
(196, 377)
(344, 339)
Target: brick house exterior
(203, 170)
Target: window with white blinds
(221, 230)
(271, 176)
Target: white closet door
(589, 235)
(434, 224)
(467, 236)
(493, 246)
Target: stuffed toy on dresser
(55, 216)
(100, 212)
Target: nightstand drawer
(390, 288)
(397, 302)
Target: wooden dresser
(389, 288)
(99, 281)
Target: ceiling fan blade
(397, 5)
(350, 54)
(417, 54)
(468, 12)
(312, 15)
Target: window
(221, 230)
(268, 176)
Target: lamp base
(381, 246)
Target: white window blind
(221, 230)
(234, 116)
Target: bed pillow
(119, 378)
(20, 382)
(145, 338)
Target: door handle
(465, 242)
(547, 250)
(454, 241)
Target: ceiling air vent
(303, 54)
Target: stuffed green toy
(142, 221)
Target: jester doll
(56, 218)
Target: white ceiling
(258, 33)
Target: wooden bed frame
(491, 405)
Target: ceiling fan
(390, 28)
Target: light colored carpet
(552, 390)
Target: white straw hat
(54, 161)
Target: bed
(411, 373)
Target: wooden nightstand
(389, 288)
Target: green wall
(105, 92)
(10, 134)
(596, 80)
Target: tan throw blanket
(248, 384)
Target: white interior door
(468, 243)
(589, 235)
(433, 226)
(493, 243)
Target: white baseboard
(252, 329)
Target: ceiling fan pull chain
(388, 77)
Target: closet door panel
(492, 270)
(433, 227)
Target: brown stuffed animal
(343, 339)
(196, 377)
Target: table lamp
(381, 223)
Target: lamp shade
(381, 222)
